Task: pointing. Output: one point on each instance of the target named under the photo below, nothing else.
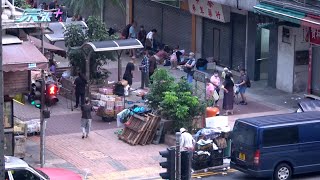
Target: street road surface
(236, 175)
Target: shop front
(173, 24)
(18, 61)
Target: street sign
(34, 15)
(32, 65)
(199, 76)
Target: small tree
(22, 4)
(162, 82)
(75, 38)
(180, 105)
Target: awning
(58, 29)
(113, 45)
(48, 46)
(21, 57)
(287, 15)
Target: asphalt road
(236, 175)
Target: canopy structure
(112, 45)
(58, 29)
(21, 57)
(288, 15)
(48, 46)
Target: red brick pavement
(102, 153)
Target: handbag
(215, 95)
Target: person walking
(80, 89)
(242, 84)
(228, 98)
(189, 66)
(152, 66)
(145, 70)
(86, 118)
(128, 73)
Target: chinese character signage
(209, 9)
(34, 15)
(315, 36)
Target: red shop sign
(315, 36)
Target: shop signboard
(209, 9)
(34, 15)
(315, 36)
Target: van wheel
(282, 172)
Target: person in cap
(186, 140)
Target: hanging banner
(315, 36)
(209, 9)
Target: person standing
(209, 92)
(53, 4)
(189, 67)
(152, 66)
(186, 141)
(228, 98)
(80, 89)
(242, 84)
(145, 70)
(133, 35)
(150, 39)
(128, 74)
(86, 118)
(215, 80)
(142, 34)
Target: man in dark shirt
(80, 89)
(53, 4)
(86, 118)
(128, 74)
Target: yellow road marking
(212, 173)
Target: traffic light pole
(178, 156)
(2, 163)
(42, 121)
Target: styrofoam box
(217, 121)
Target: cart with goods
(106, 103)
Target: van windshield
(243, 134)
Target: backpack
(248, 83)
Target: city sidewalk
(103, 156)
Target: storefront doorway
(315, 82)
(263, 53)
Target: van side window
(280, 136)
(309, 132)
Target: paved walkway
(103, 156)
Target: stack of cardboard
(105, 103)
(140, 129)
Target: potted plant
(181, 106)
(162, 82)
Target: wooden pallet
(140, 129)
(151, 130)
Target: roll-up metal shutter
(315, 70)
(148, 14)
(114, 16)
(238, 40)
(177, 28)
(224, 37)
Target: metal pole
(119, 65)
(178, 156)
(42, 122)
(2, 168)
(88, 73)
